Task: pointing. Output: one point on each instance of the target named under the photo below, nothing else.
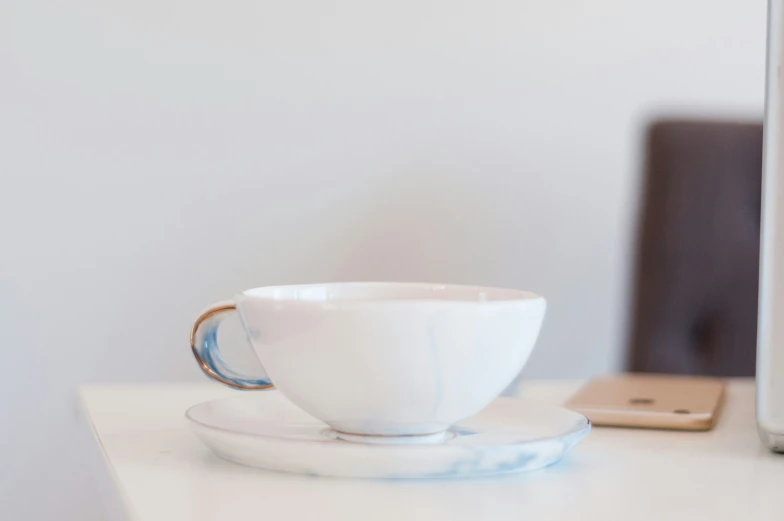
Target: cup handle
(204, 344)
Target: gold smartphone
(651, 401)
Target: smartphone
(651, 401)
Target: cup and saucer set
(381, 380)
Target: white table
(153, 468)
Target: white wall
(157, 155)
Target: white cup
(380, 362)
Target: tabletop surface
(152, 468)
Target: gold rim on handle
(209, 371)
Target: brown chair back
(695, 303)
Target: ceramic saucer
(266, 430)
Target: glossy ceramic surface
(266, 430)
(385, 360)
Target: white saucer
(266, 430)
